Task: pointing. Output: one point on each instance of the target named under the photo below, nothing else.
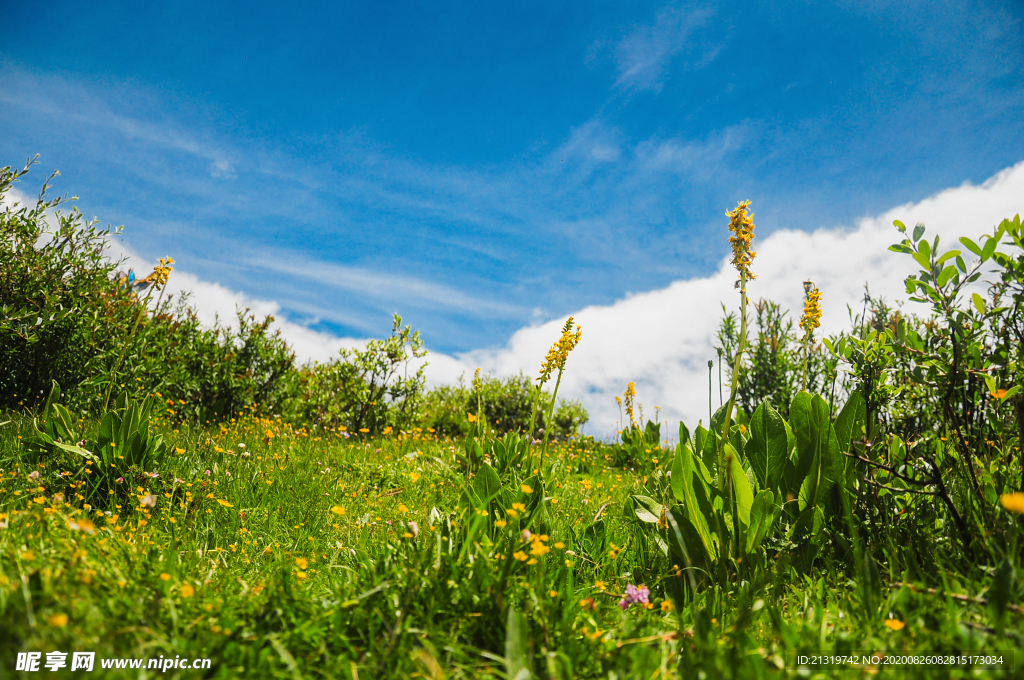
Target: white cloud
(663, 339)
(643, 54)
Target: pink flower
(633, 596)
(120, 480)
(34, 475)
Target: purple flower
(633, 596)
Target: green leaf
(922, 260)
(689, 489)
(850, 420)
(767, 448)
(945, 275)
(948, 255)
(516, 664)
(487, 485)
(647, 509)
(979, 303)
(762, 518)
(918, 232)
(742, 492)
(971, 245)
(899, 225)
(818, 462)
(989, 248)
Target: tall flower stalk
(810, 320)
(161, 274)
(554, 361)
(741, 225)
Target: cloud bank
(662, 339)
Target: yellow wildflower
(187, 590)
(811, 318)
(301, 562)
(58, 620)
(520, 555)
(742, 227)
(338, 510)
(1014, 502)
(894, 624)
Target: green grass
(276, 553)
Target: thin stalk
(124, 350)
(727, 423)
(547, 430)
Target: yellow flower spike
(1014, 502)
(742, 227)
(811, 318)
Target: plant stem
(550, 421)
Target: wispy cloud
(643, 55)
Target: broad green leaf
(971, 245)
(741, 486)
(945, 275)
(899, 225)
(647, 509)
(948, 255)
(767, 448)
(979, 303)
(989, 248)
(762, 518)
(849, 420)
(918, 232)
(818, 462)
(487, 485)
(686, 541)
(517, 666)
(693, 495)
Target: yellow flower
(58, 620)
(301, 562)
(599, 585)
(1014, 502)
(538, 549)
(500, 523)
(187, 590)
(179, 451)
(28, 555)
(526, 488)
(666, 605)
(161, 272)
(520, 555)
(224, 503)
(512, 512)
(338, 510)
(414, 476)
(519, 506)
(559, 352)
(894, 624)
(630, 396)
(811, 318)
(402, 508)
(165, 576)
(472, 418)
(387, 430)
(301, 575)
(559, 545)
(553, 593)
(532, 561)
(364, 430)
(742, 227)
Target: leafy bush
(368, 390)
(506, 406)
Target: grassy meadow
(169, 492)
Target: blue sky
(479, 167)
